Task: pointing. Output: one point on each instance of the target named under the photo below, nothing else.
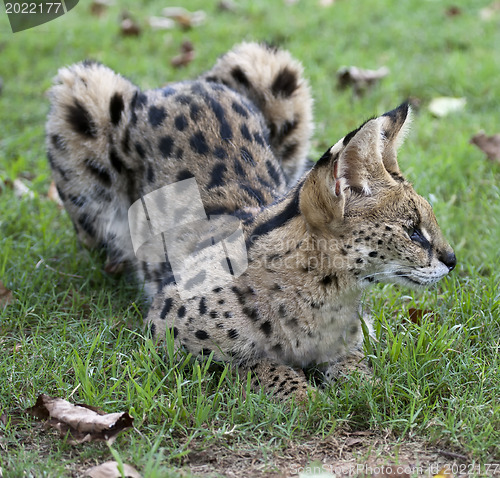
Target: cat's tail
(273, 81)
(87, 150)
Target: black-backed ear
(395, 127)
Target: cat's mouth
(408, 277)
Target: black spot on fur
(217, 176)
(259, 139)
(156, 115)
(359, 260)
(167, 306)
(267, 328)
(238, 168)
(217, 290)
(245, 133)
(206, 351)
(60, 192)
(181, 122)
(225, 130)
(238, 74)
(289, 150)
(194, 110)
(247, 156)
(228, 314)
(203, 306)
(233, 334)
(174, 331)
(240, 109)
(168, 91)
(273, 173)
(198, 143)
(254, 194)
(201, 334)
(57, 141)
(98, 171)
(78, 201)
(277, 349)
(86, 224)
(220, 153)
(165, 146)
(285, 83)
(184, 174)
(239, 295)
(252, 313)
(330, 279)
(115, 160)
(80, 120)
(126, 141)
(181, 312)
(140, 150)
(282, 310)
(373, 254)
(183, 99)
(214, 314)
(288, 128)
(116, 106)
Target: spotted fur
(315, 241)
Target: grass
(75, 333)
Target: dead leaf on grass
(21, 190)
(185, 57)
(443, 473)
(227, 6)
(453, 11)
(99, 7)
(6, 296)
(161, 23)
(326, 3)
(184, 18)
(416, 315)
(444, 105)
(110, 470)
(128, 26)
(359, 79)
(3, 419)
(488, 144)
(53, 194)
(492, 10)
(80, 422)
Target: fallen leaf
(21, 190)
(185, 57)
(6, 296)
(453, 11)
(110, 470)
(488, 144)
(80, 422)
(98, 7)
(161, 23)
(360, 80)
(185, 18)
(326, 3)
(129, 27)
(53, 195)
(353, 441)
(227, 6)
(487, 13)
(416, 315)
(445, 105)
(3, 419)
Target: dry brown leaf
(53, 195)
(185, 18)
(185, 57)
(453, 11)
(227, 6)
(110, 470)
(99, 7)
(416, 315)
(80, 422)
(6, 296)
(487, 13)
(129, 27)
(360, 80)
(488, 144)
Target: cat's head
(356, 196)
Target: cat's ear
(362, 163)
(395, 128)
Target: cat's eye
(415, 234)
(410, 230)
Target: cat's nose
(448, 259)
